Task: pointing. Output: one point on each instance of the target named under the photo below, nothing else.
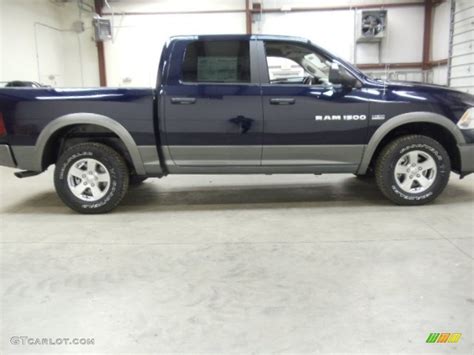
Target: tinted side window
(311, 68)
(217, 61)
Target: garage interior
(243, 264)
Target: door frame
(344, 158)
(191, 156)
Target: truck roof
(242, 37)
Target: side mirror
(338, 76)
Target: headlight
(467, 120)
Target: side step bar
(26, 173)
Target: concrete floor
(237, 264)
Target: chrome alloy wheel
(88, 179)
(415, 171)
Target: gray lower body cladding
(263, 159)
(26, 158)
(316, 159)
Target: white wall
(403, 43)
(334, 30)
(440, 38)
(18, 37)
(81, 66)
(326, 3)
(316, 26)
(439, 44)
(175, 5)
(132, 58)
(38, 44)
(1, 39)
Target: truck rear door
(213, 112)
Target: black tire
(394, 151)
(114, 190)
(136, 180)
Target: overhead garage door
(461, 60)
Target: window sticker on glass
(217, 69)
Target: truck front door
(212, 105)
(309, 121)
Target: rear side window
(217, 62)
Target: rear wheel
(412, 170)
(91, 178)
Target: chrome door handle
(282, 101)
(183, 100)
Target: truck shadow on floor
(150, 196)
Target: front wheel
(91, 178)
(412, 170)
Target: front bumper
(6, 156)
(466, 152)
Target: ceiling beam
(343, 7)
(268, 10)
(412, 65)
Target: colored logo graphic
(443, 337)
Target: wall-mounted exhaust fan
(102, 28)
(372, 25)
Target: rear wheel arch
(46, 145)
(429, 124)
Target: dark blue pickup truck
(224, 105)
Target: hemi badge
(378, 117)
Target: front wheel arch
(428, 124)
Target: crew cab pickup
(228, 104)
